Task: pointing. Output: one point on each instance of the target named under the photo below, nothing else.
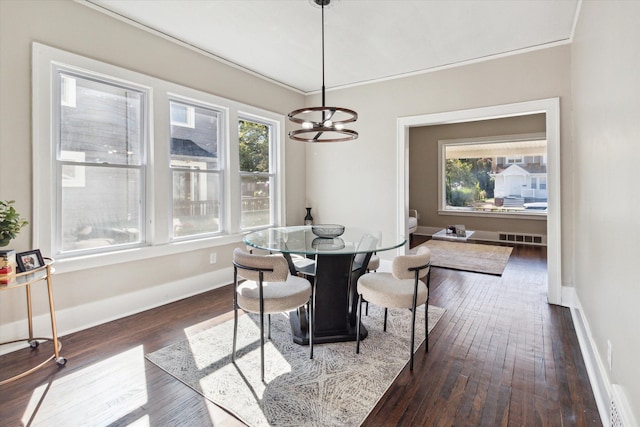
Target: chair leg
(358, 324)
(312, 321)
(269, 326)
(413, 333)
(385, 320)
(261, 327)
(235, 332)
(235, 313)
(426, 326)
(426, 314)
(413, 317)
(261, 345)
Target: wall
(606, 84)
(355, 182)
(71, 26)
(423, 171)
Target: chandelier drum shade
(323, 124)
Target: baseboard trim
(85, 316)
(493, 236)
(596, 369)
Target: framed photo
(29, 260)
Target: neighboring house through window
(504, 175)
(196, 170)
(100, 139)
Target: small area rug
(489, 259)
(337, 388)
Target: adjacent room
(319, 212)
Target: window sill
(85, 262)
(542, 216)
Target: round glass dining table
(335, 264)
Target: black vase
(308, 219)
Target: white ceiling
(365, 40)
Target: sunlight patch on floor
(103, 393)
(248, 337)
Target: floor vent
(520, 238)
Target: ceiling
(365, 40)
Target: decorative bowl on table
(327, 231)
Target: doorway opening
(551, 108)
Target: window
(123, 160)
(182, 115)
(514, 160)
(499, 175)
(256, 173)
(100, 163)
(195, 169)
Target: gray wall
(605, 75)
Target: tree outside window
(255, 142)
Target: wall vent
(620, 410)
(616, 418)
(535, 239)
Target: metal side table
(26, 279)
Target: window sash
(256, 210)
(90, 215)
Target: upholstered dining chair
(269, 288)
(402, 288)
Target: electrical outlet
(609, 349)
(213, 258)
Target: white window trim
(158, 172)
(442, 202)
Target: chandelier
(323, 124)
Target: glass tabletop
(303, 240)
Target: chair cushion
(278, 296)
(385, 290)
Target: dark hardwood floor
(499, 356)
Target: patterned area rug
(489, 259)
(337, 388)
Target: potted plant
(10, 222)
